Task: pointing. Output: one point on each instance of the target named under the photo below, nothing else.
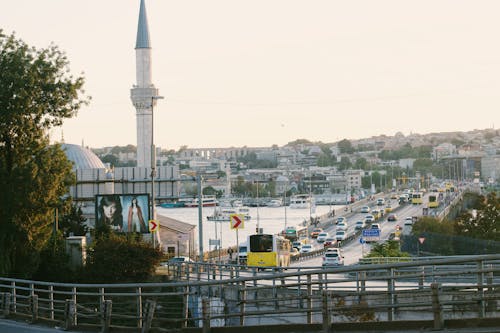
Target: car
(321, 237)
(333, 258)
(341, 226)
(341, 219)
(297, 245)
(369, 218)
(364, 209)
(376, 226)
(341, 235)
(388, 209)
(375, 213)
(408, 220)
(179, 260)
(306, 248)
(316, 232)
(359, 225)
(392, 217)
(380, 201)
(329, 242)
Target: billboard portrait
(123, 212)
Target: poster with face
(123, 212)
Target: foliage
(431, 224)
(73, 222)
(361, 163)
(210, 190)
(387, 249)
(345, 163)
(299, 142)
(345, 146)
(36, 94)
(252, 162)
(54, 262)
(115, 258)
(484, 223)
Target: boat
(224, 214)
(300, 201)
(172, 204)
(207, 201)
(275, 203)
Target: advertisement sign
(123, 212)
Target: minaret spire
(144, 90)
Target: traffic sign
(237, 221)
(371, 233)
(153, 226)
(421, 240)
(362, 240)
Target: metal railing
(206, 296)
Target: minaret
(143, 91)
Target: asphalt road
(10, 326)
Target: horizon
(325, 71)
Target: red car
(392, 217)
(316, 232)
(329, 242)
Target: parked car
(321, 237)
(392, 217)
(365, 209)
(316, 232)
(359, 225)
(306, 248)
(333, 258)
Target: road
(354, 250)
(11, 326)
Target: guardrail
(304, 297)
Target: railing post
(69, 314)
(421, 280)
(390, 295)
(326, 313)
(480, 289)
(309, 299)
(34, 308)
(491, 304)
(243, 300)
(140, 313)
(51, 302)
(186, 307)
(150, 312)
(362, 287)
(14, 296)
(437, 308)
(5, 305)
(75, 308)
(205, 310)
(106, 316)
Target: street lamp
(153, 163)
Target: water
(271, 220)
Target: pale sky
(265, 72)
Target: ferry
(207, 201)
(223, 215)
(300, 201)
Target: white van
(243, 254)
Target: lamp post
(153, 164)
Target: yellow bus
(433, 200)
(267, 250)
(417, 198)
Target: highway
(354, 250)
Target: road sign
(371, 235)
(214, 242)
(237, 221)
(362, 240)
(153, 226)
(421, 240)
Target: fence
(206, 297)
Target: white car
(359, 225)
(365, 209)
(341, 219)
(306, 248)
(340, 235)
(408, 220)
(333, 258)
(322, 237)
(369, 218)
(341, 226)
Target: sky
(262, 72)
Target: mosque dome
(281, 179)
(82, 158)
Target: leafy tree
(345, 146)
(115, 258)
(361, 163)
(73, 222)
(345, 163)
(387, 249)
(111, 159)
(36, 94)
(55, 262)
(485, 223)
(431, 224)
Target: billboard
(123, 212)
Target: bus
(294, 234)
(267, 250)
(416, 198)
(433, 200)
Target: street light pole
(153, 165)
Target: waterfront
(270, 220)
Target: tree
(73, 222)
(345, 146)
(36, 94)
(387, 249)
(345, 163)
